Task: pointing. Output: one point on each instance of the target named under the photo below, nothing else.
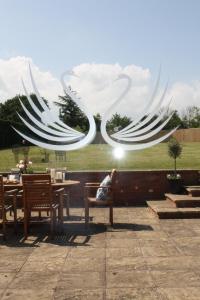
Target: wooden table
(19, 185)
(66, 184)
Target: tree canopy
(10, 108)
(71, 114)
(174, 150)
(74, 117)
(118, 122)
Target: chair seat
(96, 201)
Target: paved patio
(140, 258)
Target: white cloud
(95, 84)
(13, 69)
(184, 94)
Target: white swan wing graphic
(142, 127)
(53, 134)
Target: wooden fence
(182, 135)
(187, 135)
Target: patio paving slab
(152, 235)
(74, 265)
(35, 280)
(19, 294)
(129, 279)
(175, 278)
(122, 243)
(180, 232)
(9, 264)
(121, 234)
(173, 263)
(117, 253)
(126, 264)
(139, 258)
(79, 294)
(48, 265)
(83, 280)
(6, 279)
(86, 252)
(156, 243)
(167, 250)
(192, 293)
(130, 294)
(49, 252)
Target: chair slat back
(37, 190)
(1, 191)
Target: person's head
(113, 173)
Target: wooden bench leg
(4, 224)
(86, 213)
(52, 215)
(15, 220)
(60, 214)
(66, 197)
(111, 215)
(25, 224)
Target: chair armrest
(92, 183)
(11, 192)
(90, 189)
(59, 192)
(87, 187)
(20, 194)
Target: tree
(9, 109)
(175, 121)
(97, 119)
(174, 151)
(191, 117)
(118, 122)
(9, 117)
(71, 114)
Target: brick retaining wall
(134, 187)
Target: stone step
(193, 190)
(183, 200)
(164, 209)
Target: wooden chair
(38, 196)
(90, 199)
(7, 204)
(66, 194)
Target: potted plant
(174, 151)
(25, 167)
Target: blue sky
(61, 34)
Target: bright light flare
(118, 153)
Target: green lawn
(99, 157)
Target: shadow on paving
(129, 226)
(39, 233)
(67, 236)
